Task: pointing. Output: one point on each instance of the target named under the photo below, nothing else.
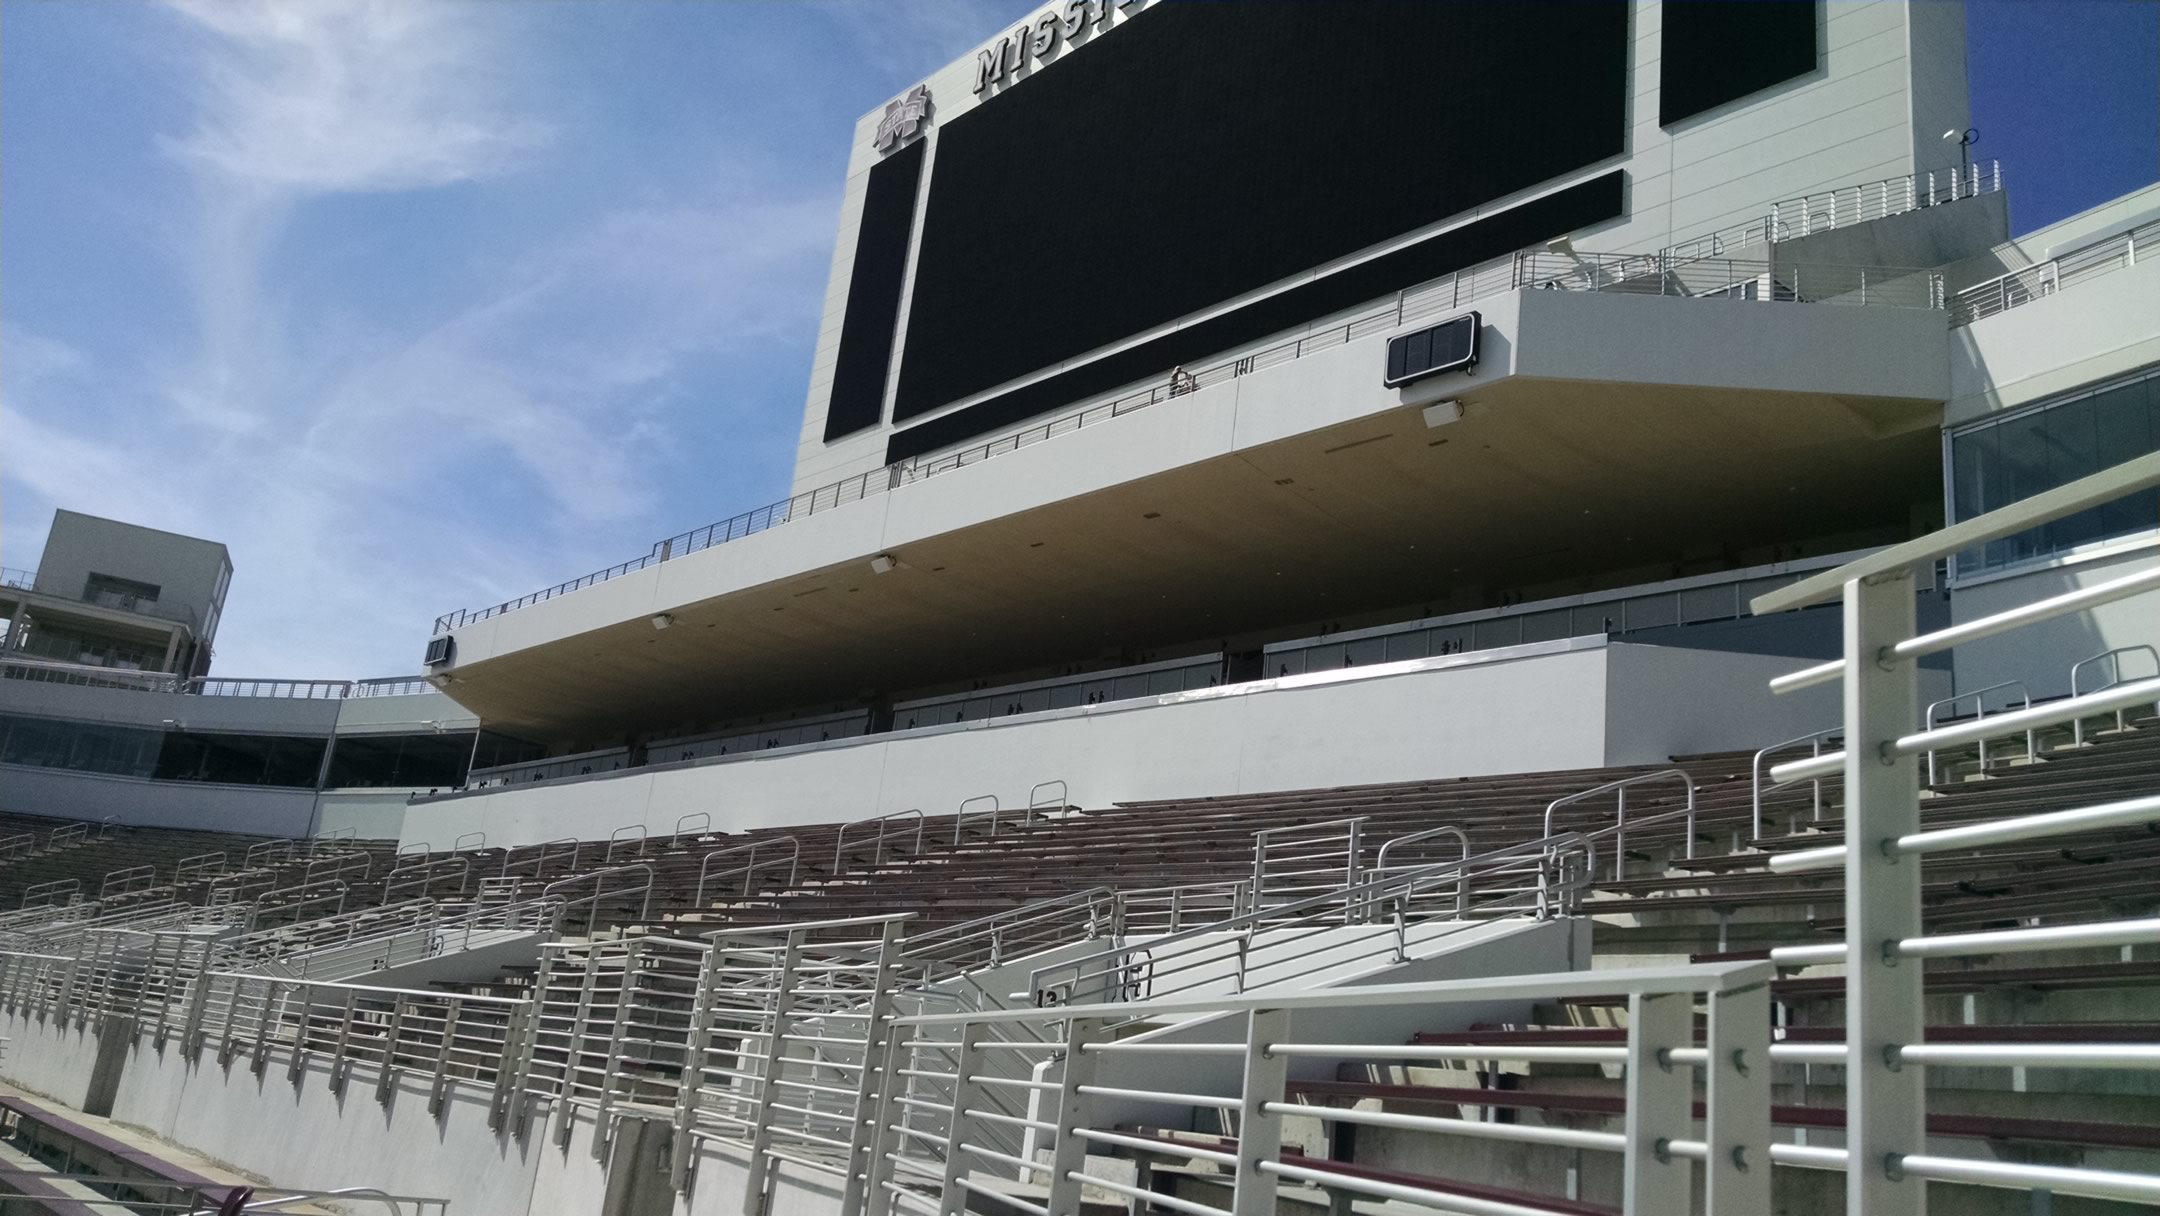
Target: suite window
(2006, 460)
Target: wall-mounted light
(1964, 139)
(662, 620)
(1440, 413)
(883, 563)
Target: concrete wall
(186, 571)
(1579, 703)
(63, 793)
(2087, 332)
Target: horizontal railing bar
(2015, 721)
(1146, 1198)
(1446, 1201)
(1525, 1133)
(1702, 977)
(2128, 813)
(2080, 600)
(1165, 1147)
(1467, 1051)
(2055, 1179)
(1164, 1097)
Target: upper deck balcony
(1620, 405)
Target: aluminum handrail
(2131, 812)
(1979, 700)
(883, 833)
(960, 817)
(1825, 210)
(599, 879)
(2052, 713)
(1462, 894)
(1038, 799)
(1815, 741)
(621, 838)
(1323, 835)
(750, 864)
(2016, 288)
(2114, 658)
(1347, 901)
(1885, 1055)
(1618, 830)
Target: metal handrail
(954, 944)
(1348, 901)
(622, 836)
(1815, 741)
(703, 818)
(538, 860)
(1618, 830)
(478, 842)
(2015, 288)
(1826, 210)
(1462, 894)
(960, 817)
(750, 864)
(2114, 659)
(598, 879)
(1979, 699)
(883, 833)
(1038, 802)
(1265, 838)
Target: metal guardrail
(939, 1130)
(2020, 287)
(1814, 741)
(779, 851)
(2113, 659)
(1827, 210)
(1679, 275)
(885, 829)
(1947, 708)
(1885, 1055)
(20, 667)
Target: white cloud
(334, 96)
(372, 469)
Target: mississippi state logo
(902, 118)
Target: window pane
(2125, 427)
(2071, 455)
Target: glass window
(1996, 463)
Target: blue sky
(425, 307)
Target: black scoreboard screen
(1203, 150)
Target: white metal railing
(1814, 741)
(1618, 831)
(940, 1131)
(1947, 707)
(1846, 206)
(2114, 679)
(1885, 1055)
(779, 851)
(880, 829)
(1275, 944)
(1299, 860)
(2020, 287)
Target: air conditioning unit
(441, 650)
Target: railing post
(1736, 1177)
(1659, 1100)
(1886, 1106)
(534, 1012)
(625, 1008)
(695, 1045)
(386, 1074)
(886, 1142)
(575, 1045)
(864, 1133)
(340, 1061)
(783, 1008)
(967, 1058)
(439, 1091)
(298, 1063)
(1069, 1155)
(1259, 1129)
